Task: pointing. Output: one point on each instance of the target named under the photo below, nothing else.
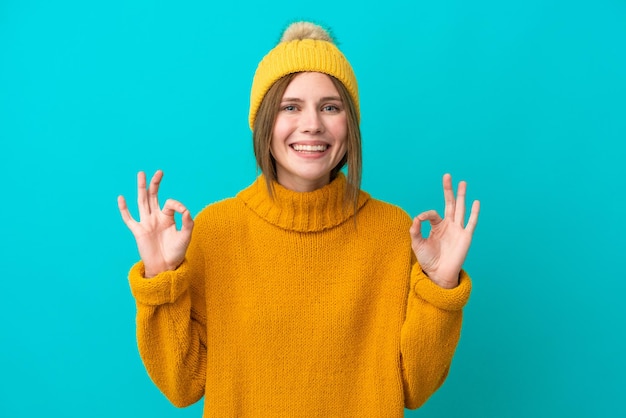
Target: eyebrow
(323, 99)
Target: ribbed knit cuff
(447, 299)
(164, 288)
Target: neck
(303, 185)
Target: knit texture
(298, 56)
(286, 307)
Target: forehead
(311, 85)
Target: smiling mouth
(309, 148)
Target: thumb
(416, 232)
(187, 226)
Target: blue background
(525, 99)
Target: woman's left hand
(442, 254)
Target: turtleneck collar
(301, 211)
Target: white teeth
(310, 148)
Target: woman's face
(309, 136)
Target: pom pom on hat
(304, 46)
(305, 30)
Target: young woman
(302, 296)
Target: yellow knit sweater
(286, 307)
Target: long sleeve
(430, 334)
(171, 328)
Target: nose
(311, 121)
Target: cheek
(340, 132)
(281, 131)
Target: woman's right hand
(161, 246)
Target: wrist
(150, 273)
(449, 282)
(153, 271)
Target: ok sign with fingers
(161, 246)
(442, 254)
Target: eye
(331, 108)
(289, 108)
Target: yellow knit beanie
(304, 46)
